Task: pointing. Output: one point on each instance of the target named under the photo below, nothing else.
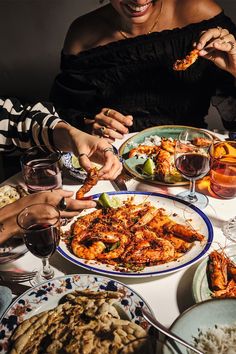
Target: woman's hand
(8, 214)
(86, 146)
(111, 124)
(219, 46)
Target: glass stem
(47, 271)
(192, 196)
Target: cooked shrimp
(117, 251)
(87, 252)
(217, 271)
(184, 232)
(144, 149)
(168, 145)
(90, 181)
(154, 252)
(83, 223)
(201, 142)
(183, 64)
(146, 218)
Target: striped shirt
(24, 126)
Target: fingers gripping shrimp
(144, 149)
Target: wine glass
(229, 229)
(192, 160)
(41, 169)
(40, 224)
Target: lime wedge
(149, 167)
(75, 162)
(107, 202)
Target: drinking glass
(40, 224)
(223, 169)
(41, 169)
(192, 160)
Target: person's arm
(8, 214)
(22, 126)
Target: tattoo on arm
(2, 228)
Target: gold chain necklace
(150, 31)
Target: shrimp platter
(131, 236)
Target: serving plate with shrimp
(215, 276)
(158, 144)
(147, 234)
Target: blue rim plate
(131, 164)
(78, 173)
(46, 296)
(200, 287)
(200, 317)
(184, 213)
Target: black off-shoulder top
(135, 76)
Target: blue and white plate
(78, 173)
(47, 295)
(180, 211)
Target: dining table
(167, 295)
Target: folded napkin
(5, 299)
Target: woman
(25, 126)
(39, 124)
(117, 66)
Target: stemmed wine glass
(192, 160)
(40, 224)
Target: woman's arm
(22, 126)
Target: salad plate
(182, 212)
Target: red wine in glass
(193, 165)
(40, 224)
(42, 239)
(192, 160)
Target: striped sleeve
(24, 126)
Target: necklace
(150, 31)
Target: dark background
(32, 33)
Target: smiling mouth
(138, 8)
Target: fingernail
(203, 52)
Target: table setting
(176, 291)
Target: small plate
(200, 287)
(182, 211)
(12, 249)
(132, 164)
(200, 317)
(78, 173)
(47, 295)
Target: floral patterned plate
(47, 295)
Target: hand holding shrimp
(219, 46)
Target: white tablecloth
(167, 295)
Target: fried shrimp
(131, 236)
(221, 274)
(143, 149)
(90, 181)
(183, 64)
